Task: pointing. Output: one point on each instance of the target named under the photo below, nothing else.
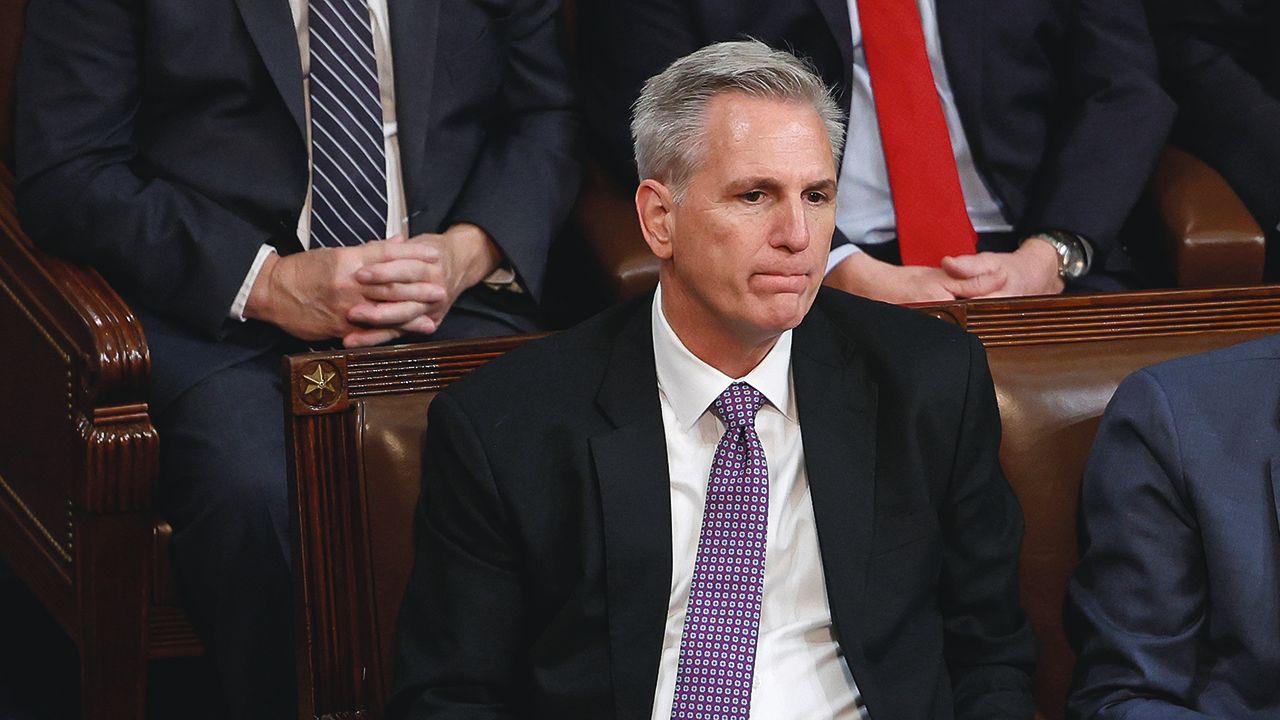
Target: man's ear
(654, 204)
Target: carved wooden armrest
(1211, 238)
(73, 374)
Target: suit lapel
(836, 13)
(415, 30)
(635, 494)
(837, 401)
(270, 24)
(960, 25)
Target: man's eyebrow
(759, 181)
(825, 185)
(766, 182)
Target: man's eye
(753, 196)
(815, 197)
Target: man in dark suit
(1051, 107)
(421, 154)
(858, 528)
(1221, 63)
(1174, 608)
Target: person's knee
(223, 469)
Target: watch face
(1072, 259)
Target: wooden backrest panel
(12, 13)
(356, 445)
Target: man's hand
(1032, 269)
(311, 295)
(864, 275)
(464, 255)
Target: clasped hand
(1030, 270)
(372, 293)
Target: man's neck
(733, 356)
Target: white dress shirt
(800, 670)
(864, 205)
(397, 220)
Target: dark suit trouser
(224, 490)
(223, 469)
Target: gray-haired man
(748, 497)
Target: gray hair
(668, 119)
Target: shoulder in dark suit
(1174, 608)
(544, 559)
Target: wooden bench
(358, 420)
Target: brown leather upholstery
(606, 218)
(1051, 399)
(78, 454)
(355, 446)
(1211, 238)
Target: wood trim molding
(1083, 318)
(332, 565)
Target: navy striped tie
(348, 159)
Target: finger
(967, 266)
(405, 270)
(1001, 293)
(384, 250)
(384, 315)
(369, 336)
(933, 293)
(983, 284)
(422, 325)
(423, 292)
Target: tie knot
(737, 405)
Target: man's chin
(787, 309)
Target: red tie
(927, 200)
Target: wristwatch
(1074, 256)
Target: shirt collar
(690, 385)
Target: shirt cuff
(242, 297)
(838, 255)
(504, 278)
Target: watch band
(1074, 256)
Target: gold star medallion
(318, 381)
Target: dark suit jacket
(162, 142)
(1221, 63)
(544, 554)
(1058, 98)
(1175, 607)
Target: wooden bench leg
(114, 597)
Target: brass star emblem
(319, 388)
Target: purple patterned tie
(718, 646)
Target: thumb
(966, 266)
(977, 285)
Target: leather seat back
(1051, 398)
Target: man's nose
(791, 226)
